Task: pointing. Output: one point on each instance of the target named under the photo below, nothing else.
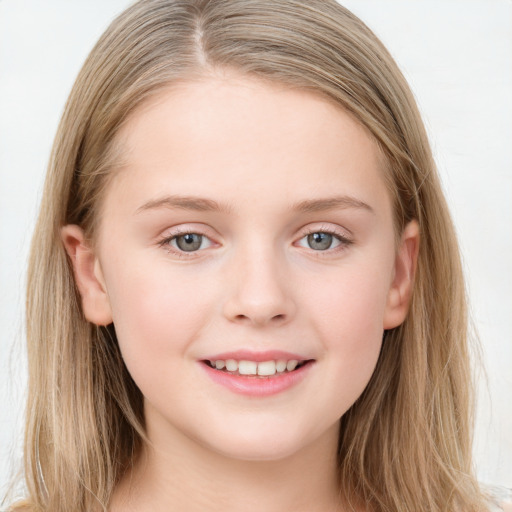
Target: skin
(256, 283)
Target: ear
(400, 291)
(88, 276)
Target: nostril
(258, 310)
(260, 319)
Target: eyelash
(343, 240)
(166, 242)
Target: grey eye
(189, 242)
(320, 241)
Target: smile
(262, 369)
(257, 374)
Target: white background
(457, 55)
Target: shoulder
(20, 506)
(506, 506)
(500, 498)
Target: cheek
(156, 314)
(352, 302)
(349, 319)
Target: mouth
(257, 374)
(257, 369)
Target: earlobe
(88, 276)
(400, 292)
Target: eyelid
(342, 235)
(170, 234)
(323, 227)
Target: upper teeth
(254, 368)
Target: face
(249, 231)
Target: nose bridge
(259, 293)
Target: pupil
(189, 242)
(320, 241)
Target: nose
(260, 291)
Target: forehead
(235, 138)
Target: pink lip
(248, 355)
(256, 386)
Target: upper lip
(249, 355)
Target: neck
(175, 473)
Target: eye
(320, 241)
(187, 242)
(324, 240)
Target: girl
(256, 298)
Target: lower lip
(250, 385)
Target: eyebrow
(201, 204)
(331, 203)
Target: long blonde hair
(405, 445)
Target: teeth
(267, 368)
(291, 365)
(280, 366)
(264, 368)
(231, 365)
(247, 367)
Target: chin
(265, 444)
(253, 451)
